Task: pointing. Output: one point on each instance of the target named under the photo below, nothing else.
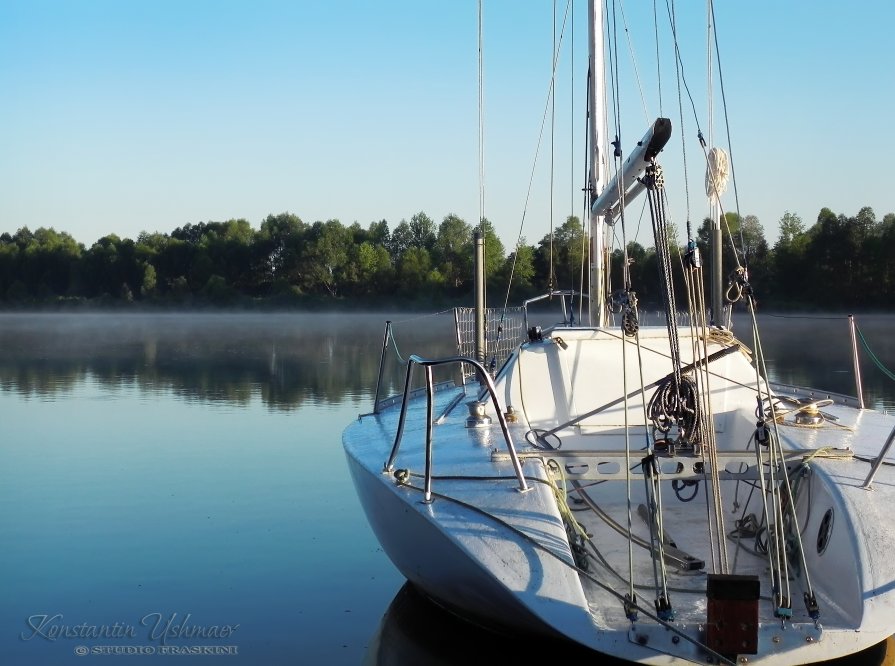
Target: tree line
(839, 262)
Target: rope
(686, 87)
(717, 173)
(425, 316)
(709, 449)
(401, 359)
(780, 316)
(828, 453)
(776, 457)
(879, 364)
(561, 502)
(628, 473)
(391, 333)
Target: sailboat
(644, 492)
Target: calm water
(178, 480)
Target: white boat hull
(502, 558)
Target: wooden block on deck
(732, 623)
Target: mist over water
(816, 351)
(191, 464)
(286, 360)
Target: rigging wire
(581, 572)
(680, 105)
(481, 63)
(634, 63)
(551, 276)
(704, 433)
(658, 59)
(679, 59)
(736, 196)
(572, 193)
(775, 448)
(537, 151)
(611, 30)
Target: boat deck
(521, 539)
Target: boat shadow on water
(415, 630)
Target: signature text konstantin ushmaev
(156, 626)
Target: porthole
(824, 531)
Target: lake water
(178, 481)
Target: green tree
(147, 289)
(414, 270)
(422, 231)
(494, 252)
(277, 250)
(791, 227)
(831, 256)
(519, 271)
(112, 263)
(883, 266)
(378, 233)
(172, 263)
(567, 247)
(47, 261)
(789, 260)
(230, 247)
(371, 268)
(9, 261)
(453, 250)
(400, 240)
(325, 259)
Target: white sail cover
(717, 173)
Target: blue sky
(120, 117)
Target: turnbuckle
(631, 607)
(664, 611)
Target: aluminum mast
(597, 161)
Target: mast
(715, 190)
(606, 197)
(479, 235)
(479, 267)
(597, 161)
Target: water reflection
(416, 631)
(816, 351)
(290, 359)
(286, 359)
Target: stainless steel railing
(868, 482)
(427, 365)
